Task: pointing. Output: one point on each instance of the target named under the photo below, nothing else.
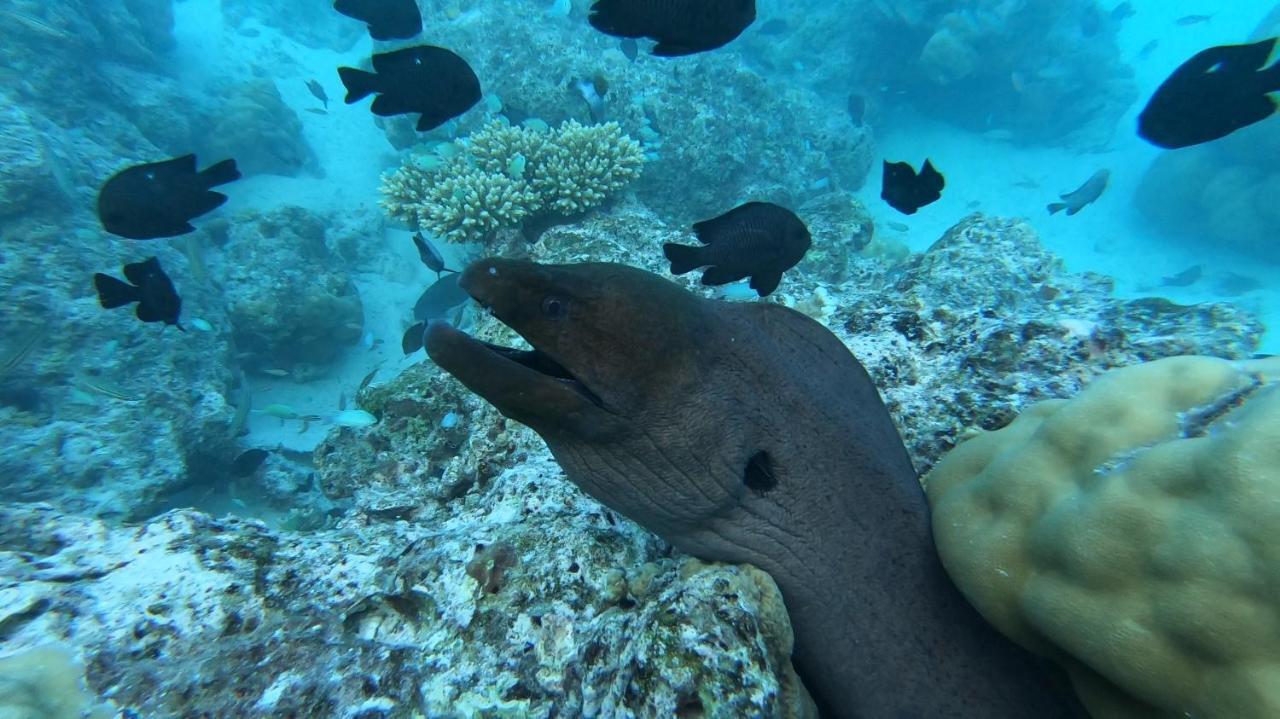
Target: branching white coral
(503, 174)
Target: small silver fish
(276, 372)
(1077, 199)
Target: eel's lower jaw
(525, 385)
(542, 363)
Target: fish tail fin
(1056, 207)
(113, 293)
(359, 84)
(683, 258)
(1271, 77)
(221, 173)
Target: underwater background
(401, 549)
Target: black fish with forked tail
(1215, 93)
(680, 27)
(147, 285)
(906, 190)
(428, 80)
(387, 19)
(159, 199)
(759, 240)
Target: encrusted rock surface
(307, 312)
(478, 614)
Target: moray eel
(747, 432)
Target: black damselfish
(1215, 93)
(425, 79)
(159, 199)
(759, 240)
(906, 191)
(152, 289)
(680, 27)
(387, 19)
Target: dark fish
(412, 339)
(776, 26)
(152, 289)
(318, 91)
(440, 299)
(906, 191)
(1076, 200)
(1215, 93)
(387, 19)
(248, 462)
(759, 240)
(1147, 49)
(1185, 278)
(1234, 284)
(680, 27)
(857, 106)
(1187, 20)
(429, 255)
(630, 48)
(1123, 12)
(368, 378)
(159, 199)
(425, 79)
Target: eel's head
(602, 334)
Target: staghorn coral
(504, 175)
(1130, 534)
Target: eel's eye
(554, 308)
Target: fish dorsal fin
(178, 165)
(139, 272)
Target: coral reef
(503, 176)
(747, 135)
(98, 412)
(1034, 71)
(254, 126)
(949, 353)
(1129, 532)
(309, 310)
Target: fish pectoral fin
(765, 284)
(721, 275)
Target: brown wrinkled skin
(691, 389)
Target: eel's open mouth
(543, 364)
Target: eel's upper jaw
(526, 385)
